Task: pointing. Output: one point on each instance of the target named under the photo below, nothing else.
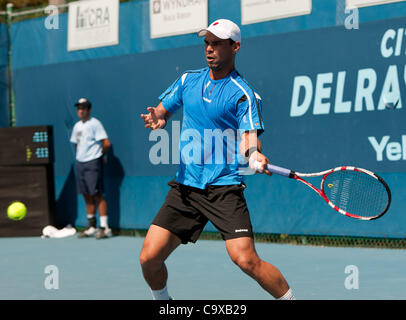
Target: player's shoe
(89, 232)
(104, 233)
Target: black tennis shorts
(187, 210)
(89, 177)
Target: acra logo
(92, 17)
(317, 96)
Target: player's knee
(247, 263)
(145, 261)
(149, 260)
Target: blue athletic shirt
(215, 114)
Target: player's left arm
(157, 117)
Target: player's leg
(242, 252)
(159, 243)
(229, 214)
(175, 223)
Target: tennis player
(213, 98)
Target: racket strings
(356, 192)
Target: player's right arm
(156, 118)
(171, 100)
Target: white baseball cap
(223, 29)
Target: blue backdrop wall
(4, 110)
(322, 87)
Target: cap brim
(82, 105)
(202, 33)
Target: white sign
(169, 17)
(92, 23)
(365, 3)
(253, 11)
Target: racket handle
(277, 170)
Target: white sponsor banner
(93, 23)
(253, 11)
(174, 17)
(365, 3)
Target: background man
(92, 144)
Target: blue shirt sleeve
(249, 113)
(172, 98)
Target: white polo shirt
(87, 136)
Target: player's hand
(262, 159)
(152, 119)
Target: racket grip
(277, 170)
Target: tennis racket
(354, 192)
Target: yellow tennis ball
(16, 211)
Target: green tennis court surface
(71, 268)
